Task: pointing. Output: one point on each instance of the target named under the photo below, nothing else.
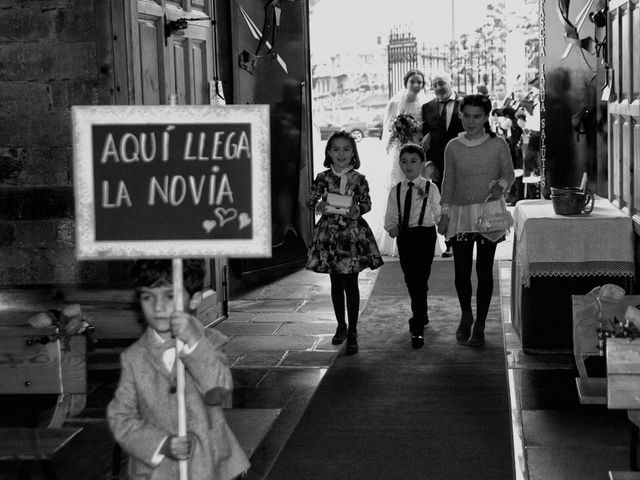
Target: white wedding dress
(392, 173)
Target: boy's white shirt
(168, 358)
(432, 210)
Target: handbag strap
(484, 206)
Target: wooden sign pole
(178, 302)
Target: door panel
(624, 106)
(178, 73)
(151, 61)
(199, 72)
(623, 110)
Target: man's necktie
(407, 207)
(443, 113)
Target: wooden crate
(592, 390)
(623, 373)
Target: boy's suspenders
(424, 203)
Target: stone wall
(47, 64)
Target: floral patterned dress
(341, 244)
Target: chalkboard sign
(172, 181)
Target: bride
(409, 102)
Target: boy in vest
(413, 207)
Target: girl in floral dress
(343, 244)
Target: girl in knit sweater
(477, 165)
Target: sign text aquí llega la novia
(172, 181)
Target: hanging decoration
(572, 29)
(249, 61)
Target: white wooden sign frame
(85, 117)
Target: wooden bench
(33, 361)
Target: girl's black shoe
(352, 343)
(417, 341)
(341, 334)
(464, 328)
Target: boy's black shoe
(352, 343)
(341, 334)
(416, 328)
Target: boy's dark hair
(342, 134)
(157, 273)
(413, 148)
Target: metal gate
(469, 65)
(402, 56)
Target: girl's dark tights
(463, 264)
(341, 284)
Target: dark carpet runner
(391, 412)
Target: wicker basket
(568, 203)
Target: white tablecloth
(550, 245)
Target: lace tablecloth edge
(525, 278)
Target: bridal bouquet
(404, 129)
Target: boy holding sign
(143, 415)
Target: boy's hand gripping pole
(178, 301)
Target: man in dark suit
(440, 123)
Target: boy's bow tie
(166, 345)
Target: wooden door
(624, 106)
(623, 111)
(148, 50)
(169, 59)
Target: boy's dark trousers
(416, 248)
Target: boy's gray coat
(144, 411)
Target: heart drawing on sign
(225, 214)
(244, 220)
(209, 225)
